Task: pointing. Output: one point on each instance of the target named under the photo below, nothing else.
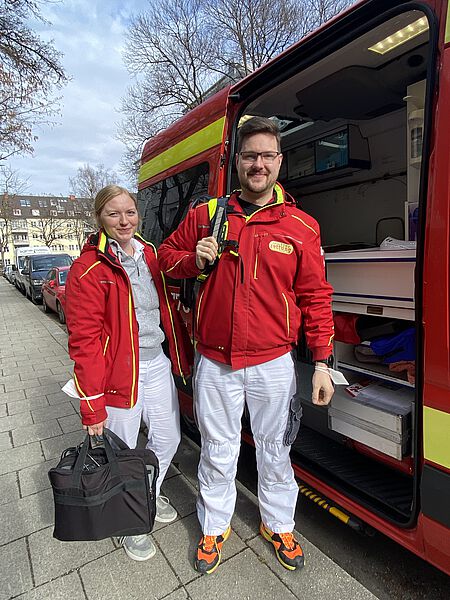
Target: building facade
(61, 223)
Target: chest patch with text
(281, 247)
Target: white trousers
(157, 405)
(220, 396)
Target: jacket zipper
(258, 249)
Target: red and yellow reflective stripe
(177, 263)
(287, 313)
(198, 307)
(80, 391)
(305, 224)
(91, 267)
(173, 328)
(130, 316)
(106, 345)
(198, 142)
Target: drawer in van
(375, 277)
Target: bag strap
(81, 460)
(218, 229)
(117, 441)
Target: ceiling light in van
(400, 37)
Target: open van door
(357, 103)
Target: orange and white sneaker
(209, 552)
(288, 550)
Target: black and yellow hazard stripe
(333, 510)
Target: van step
(380, 488)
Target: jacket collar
(270, 212)
(100, 242)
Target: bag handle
(121, 445)
(81, 460)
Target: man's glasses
(251, 157)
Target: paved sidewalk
(37, 422)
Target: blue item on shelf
(394, 348)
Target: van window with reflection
(164, 205)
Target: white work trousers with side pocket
(220, 396)
(157, 405)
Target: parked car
(54, 292)
(35, 270)
(6, 272)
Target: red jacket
(251, 307)
(103, 330)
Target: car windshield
(45, 263)
(62, 277)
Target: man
(269, 279)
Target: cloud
(91, 35)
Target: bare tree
(11, 185)
(30, 72)
(51, 228)
(90, 180)
(178, 49)
(86, 184)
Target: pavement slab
(66, 588)
(116, 577)
(53, 447)
(14, 421)
(179, 542)
(43, 415)
(51, 558)
(21, 457)
(71, 422)
(245, 577)
(5, 440)
(34, 433)
(35, 478)
(9, 488)
(15, 571)
(21, 406)
(26, 516)
(322, 577)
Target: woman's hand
(323, 389)
(206, 251)
(96, 429)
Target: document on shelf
(391, 397)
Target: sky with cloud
(91, 34)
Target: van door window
(164, 204)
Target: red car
(54, 291)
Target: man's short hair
(258, 125)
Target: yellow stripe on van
(447, 24)
(202, 140)
(436, 442)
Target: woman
(119, 312)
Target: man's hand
(206, 251)
(323, 390)
(96, 429)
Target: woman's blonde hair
(105, 195)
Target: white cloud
(91, 34)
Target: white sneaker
(138, 547)
(165, 513)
